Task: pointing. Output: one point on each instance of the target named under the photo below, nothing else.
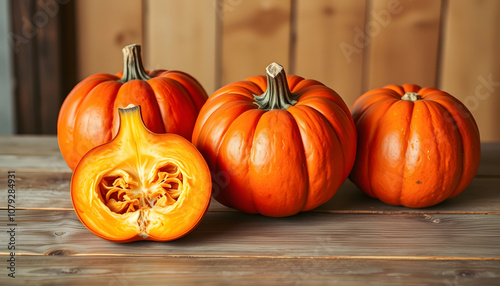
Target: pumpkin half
(416, 146)
(141, 185)
(170, 101)
(276, 145)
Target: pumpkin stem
(411, 96)
(132, 64)
(277, 95)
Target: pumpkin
(277, 145)
(170, 102)
(141, 185)
(416, 146)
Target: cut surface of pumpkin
(141, 185)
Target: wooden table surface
(351, 240)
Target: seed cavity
(124, 193)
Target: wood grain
(37, 145)
(51, 191)
(404, 38)
(436, 236)
(45, 190)
(250, 271)
(490, 160)
(31, 153)
(50, 73)
(325, 44)
(471, 64)
(103, 28)
(25, 63)
(253, 34)
(42, 153)
(481, 196)
(7, 112)
(41, 40)
(181, 35)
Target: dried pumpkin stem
(277, 95)
(411, 96)
(132, 64)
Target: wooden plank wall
(42, 49)
(172, 43)
(7, 111)
(351, 46)
(471, 60)
(103, 29)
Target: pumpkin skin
(276, 146)
(416, 146)
(141, 185)
(170, 101)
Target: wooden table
(351, 240)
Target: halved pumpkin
(141, 185)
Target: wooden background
(351, 46)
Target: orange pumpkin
(141, 185)
(170, 102)
(277, 145)
(416, 146)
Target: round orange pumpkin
(170, 102)
(277, 145)
(141, 185)
(416, 146)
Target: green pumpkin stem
(277, 95)
(132, 64)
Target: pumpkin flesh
(141, 185)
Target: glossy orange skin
(170, 102)
(279, 162)
(415, 154)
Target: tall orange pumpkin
(170, 102)
(276, 146)
(416, 146)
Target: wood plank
(7, 99)
(481, 196)
(50, 73)
(31, 153)
(490, 160)
(51, 190)
(48, 190)
(40, 45)
(326, 49)
(470, 63)
(103, 28)
(322, 235)
(55, 270)
(181, 35)
(69, 51)
(404, 42)
(29, 145)
(33, 162)
(42, 153)
(254, 34)
(25, 68)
